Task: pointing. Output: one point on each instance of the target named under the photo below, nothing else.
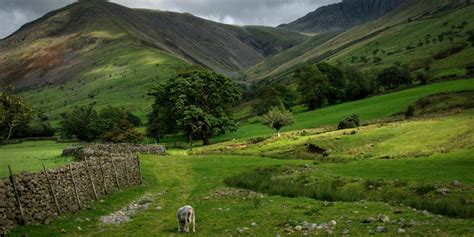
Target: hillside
(343, 15)
(103, 53)
(407, 25)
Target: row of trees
(111, 124)
(323, 84)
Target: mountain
(106, 54)
(54, 47)
(343, 15)
(401, 35)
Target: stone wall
(31, 198)
(83, 151)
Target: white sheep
(186, 216)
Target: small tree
(394, 77)
(82, 122)
(277, 118)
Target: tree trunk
(10, 130)
(205, 139)
(190, 140)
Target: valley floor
(175, 181)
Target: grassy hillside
(373, 108)
(424, 16)
(418, 44)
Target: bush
(410, 112)
(352, 121)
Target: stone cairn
(37, 198)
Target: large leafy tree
(14, 113)
(197, 102)
(270, 96)
(313, 85)
(82, 122)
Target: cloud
(15, 13)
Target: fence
(30, 198)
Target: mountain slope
(106, 54)
(396, 22)
(68, 33)
(343, 15)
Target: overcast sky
(15, 13)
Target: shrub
(352, 121)
(410, 112)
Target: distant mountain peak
(343, 15)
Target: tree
(82, 122)
(277, 118)
(359, 86)
(313, 85)
(335, 91)
(270, 96)
(394, 77)
(14, 113)
(196, 102)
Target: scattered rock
(79, 228)
(298, 228)
(456, 183)
(401, 231)
(124, 214)
(306, 166)
(381, 229)
(398, 211)
(63, 231)
(345, 232)
(332, 223)
(383, 218)
(253, 224)
(443, 190)
(426, 213)
(158, 208)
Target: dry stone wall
(30, 198)
(83, 151)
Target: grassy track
(29, 156)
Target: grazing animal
(186, 216)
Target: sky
(15, 13)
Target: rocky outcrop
(344, 15)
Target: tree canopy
(196, 102)
(313, 85)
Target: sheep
(186, 216)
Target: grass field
(388, 168)
(29, 156)
(220, 211)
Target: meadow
(417, 172)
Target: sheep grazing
(186, 216)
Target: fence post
(126, 171)
(90, 179)
(115, 173)
(75, 187)
(103, 175)
(139, 170)
(17, 196)
(52, 191)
